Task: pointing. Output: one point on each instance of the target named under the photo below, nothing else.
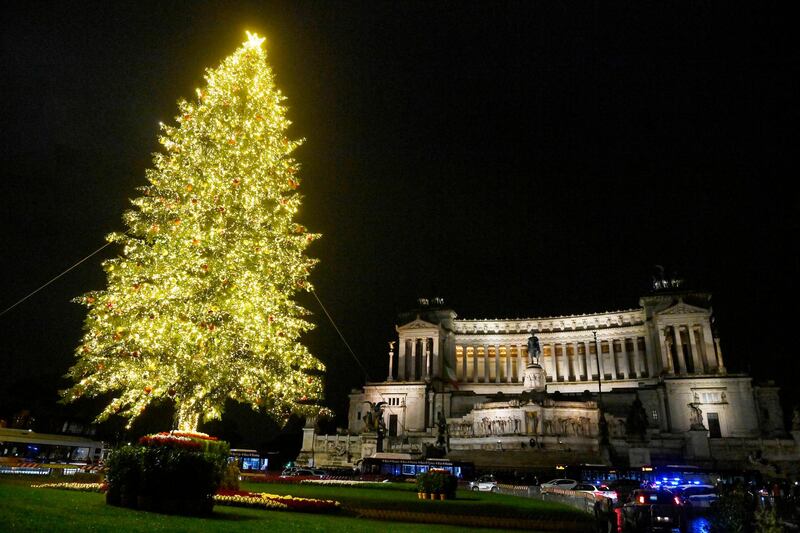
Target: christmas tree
(199, 304)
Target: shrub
(230, 477)
(731, 512)
(167, 473)
(437, 482)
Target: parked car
(300, 472)
(697, 496)
(623, 488)
(485, 483)
(598, 490)
(652, 511)
(566, 484)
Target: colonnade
(690, 349)
(417, 359)
(563, 361)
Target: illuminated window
(655, 414)
(711, 397)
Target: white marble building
(664, 352)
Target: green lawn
(26, 509)
(404, 497)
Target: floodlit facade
(473, 384)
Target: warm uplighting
(199, 304)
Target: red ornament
(148, 389)
(204, 266)
(293, 184)
(187, 117)
(236, 182)
(90, 299)
(171, 392)
(271, 318)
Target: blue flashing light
(695, 482)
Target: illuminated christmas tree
(199, 305)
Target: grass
(404, 497)
(23, 508)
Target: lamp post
(597, 363)
(602, 424)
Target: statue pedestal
(534, 378)
(697, 446)
(369, 444)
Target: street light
(597, 363)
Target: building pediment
(417, 324)
(682, 308)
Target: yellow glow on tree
(198, 307)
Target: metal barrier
(585, 501)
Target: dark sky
(516, 159)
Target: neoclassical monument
(640, 386)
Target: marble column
(486, 373)
(508, 364)
(497, 363)
(569, 368)
(696, 359)
(464, 364)
(601, 370)
(391, 357)
(679, 348)
(580, 369)
(427, 373)
(637, 358)
(720, 363)
(401, 360)
(625, 368)
(521, 363)
(613, 358)
(554, 357)
(666, 354)
(436, 370)
(589, 361)
(414, 350)
(474, 364)
(708, 347)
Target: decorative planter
(442, 496)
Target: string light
(199, 306)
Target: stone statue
(602, 427)
(533, 349)
(441, 431)
(695, 416)
(373, 420)
(636, 423)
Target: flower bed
(290, 503)
(83, 487)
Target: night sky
(516, 159)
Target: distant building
(472, 386)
